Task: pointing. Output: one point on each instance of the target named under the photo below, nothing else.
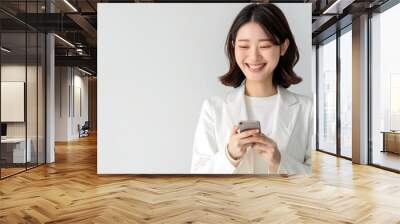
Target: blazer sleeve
(207, 157)
(291, 166)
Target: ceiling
(76, 22)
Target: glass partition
(22, 63)
(327, 96)
(14, 153)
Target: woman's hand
(268, 150)
(238, 142)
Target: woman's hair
(275, 25)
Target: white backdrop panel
(156, 65)
(12, 101)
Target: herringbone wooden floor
(70, 191)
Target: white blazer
(292, 131)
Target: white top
(261, 109)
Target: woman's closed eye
(263, 46)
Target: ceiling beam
(85, 61)
(337, 7)
(85, 25)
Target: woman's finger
(261, 147)
(245, 146)
(248, 140)
(266, 137)
(259, 139)
(248, 133)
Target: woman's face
(255, 53)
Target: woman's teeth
(255, 67)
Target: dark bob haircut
(275, 25)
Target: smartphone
(248, 125)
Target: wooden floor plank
(70, 191)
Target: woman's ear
(284, 46)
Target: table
(13, 150)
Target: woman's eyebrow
(247, 40)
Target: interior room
(55, 122)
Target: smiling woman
(262, 53)
(261, 32)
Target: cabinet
(391, 141)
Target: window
(327, 96)
(385, 89)
(346, 93)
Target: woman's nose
(254, 53)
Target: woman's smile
(255, 67)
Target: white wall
(156, 64)
(68, 80)
(12, 73)
(18, 73)
(61, 103)
(80, 83)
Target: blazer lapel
(285, 117)
(236, 105)
(237, 111)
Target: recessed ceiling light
(64, 40)
(5, 50)
(84, 71)
(337, 7)
(70, 5)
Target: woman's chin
(255, 77)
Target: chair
(84, 130)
